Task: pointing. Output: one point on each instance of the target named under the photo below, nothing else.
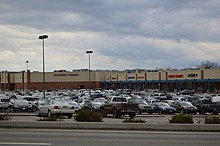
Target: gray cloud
(123, 34)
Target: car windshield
(72, 102)
(5, 100)
(141, 102)
(186, 104)
(118, 99)
(29, 99)
(162, 104)
(60, 102)
(95, 103)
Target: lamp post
(27, 74)
(89, 52)
(27, 64)
(43, 37)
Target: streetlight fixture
(89, 52)
(27, 64)
(43, 37)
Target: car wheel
(139, 111)
(116, 114)
(203, 112)
(70, 116)
(131, 115)
(49, 114)
(182, 111)
(39, 113)
(103, 112)
(11, 109)
(215, 112)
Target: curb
(112, 126)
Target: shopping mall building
(200, 80)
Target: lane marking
(16, 143)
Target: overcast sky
(123, 34)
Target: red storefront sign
(175, 76)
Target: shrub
(4, 117)
(212, 120)
(88, 116)
(134, 121)
(181, 118)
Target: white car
(74, 104)
(56, 107)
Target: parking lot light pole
(43, 37)
(27, 64)
(89, 52)
(27, 74)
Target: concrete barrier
(111, 126)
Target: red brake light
(56, 107)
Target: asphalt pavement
(47, 137)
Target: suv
(4, 103)
(208, 105)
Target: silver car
(4, 103)
(56, 107)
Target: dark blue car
(162, 108)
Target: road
(38, 137)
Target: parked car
(4, 103)
(56, 107)
(187, 92)
(184, 107)
(92, 105)
(31, 100)
(144, 107)
(162, 107)
(19, 105)
(211, 105)
(159, 96)
(74, 104)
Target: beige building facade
(202, 80)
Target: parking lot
(152, 107)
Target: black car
(162, 108)
(92, 105)
(184, 107)
(208, 105)
(144, 107)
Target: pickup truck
(118, 106)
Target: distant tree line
(209, 65)
(205, 65)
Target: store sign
(129, 78)
(175, 76)
(192, 75)
(66, 75)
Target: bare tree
(209, 65)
